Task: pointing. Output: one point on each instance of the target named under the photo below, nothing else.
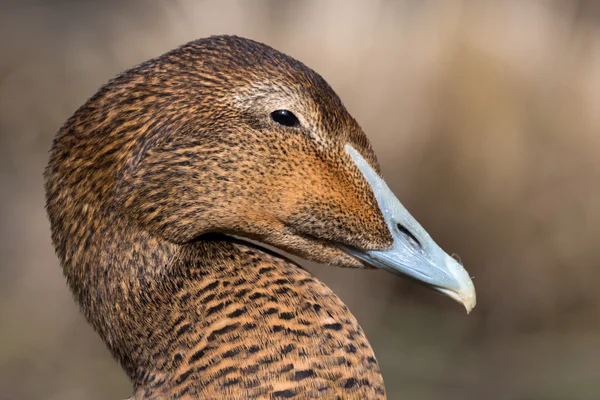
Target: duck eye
(285, 118)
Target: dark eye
(285, 118)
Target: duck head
(229, 135)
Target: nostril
(403, 230)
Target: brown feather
(150, 174)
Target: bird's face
(275, 157)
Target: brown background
(486, 119)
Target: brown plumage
(148, 179)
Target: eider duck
(158, 189)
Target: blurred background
(485, 116)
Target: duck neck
(149, 299)
(120, 275)
(210, 314)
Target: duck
(162, 192)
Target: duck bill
(413, 254)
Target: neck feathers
(215, 317)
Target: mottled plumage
(148, 179)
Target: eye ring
(285, 118)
